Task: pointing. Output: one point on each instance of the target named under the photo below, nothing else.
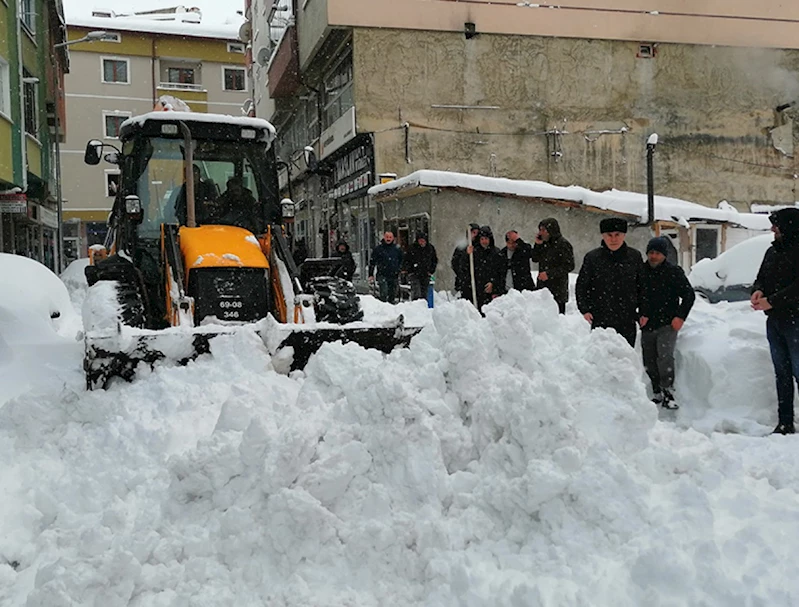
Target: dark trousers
(387, 288)
(626, 330)
(783, 340)
(657, 347)
(418, 286)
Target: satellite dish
(262, 57)
(245, 31)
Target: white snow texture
(512, 460)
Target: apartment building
(148, 55)
(31, 79)
(561, 93)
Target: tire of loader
(335, 300)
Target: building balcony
(180, 86)
(197, 98)
(284, 70)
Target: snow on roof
(617, 201)
(180, 26)
(256, 123)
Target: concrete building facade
(31, 80)
(110, 81)
(567, 95)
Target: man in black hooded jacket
(489, 269)
(609, 282)
(460, 262)
(776, 292)
(517, 255)
(347, 268)
(555, 258)
(420, 263)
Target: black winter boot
(668, 400)
(784, 429)
(657, 397)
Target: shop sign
(13, 203)
(47, 217)
(352, 172)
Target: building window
(111, 183)
(112, 37)
(115, 71)
(234, 78)
(31, 108)
(29, 15)
(5, 88)
(111, 123)
(180, 75)
(235, 47)
(338, 92)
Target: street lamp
(93, 36)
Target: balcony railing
(180, 86)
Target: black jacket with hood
(778, 277)
(421, 260)
(556, 258)
(665, 294)
(347, 268)
(608, 285)
(489, 267)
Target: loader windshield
(232, 183)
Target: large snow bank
(738, 265)
(508, 460)
(74, 278)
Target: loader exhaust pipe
(189, 171)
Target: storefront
(351, 213)
(28, 228)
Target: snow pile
(508, 460)
(736, 266)
(74, 278)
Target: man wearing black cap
(776, 292)
(489, 270)
(666, 300)
(420, 264)
(555, 258)
(609, 281)
(460, 262)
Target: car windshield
(227, 189)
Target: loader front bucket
(112, 354)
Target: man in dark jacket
(517, 255)
(555, 258)
(489, 269)
(460, 262)
(420, 264)
(387, 260)
(776, 292)
(609, 281)
(666, 300)
(347, 268)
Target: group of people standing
(388, 260)
(484, 272)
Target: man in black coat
(387, 261)
(347, 268)
(555, 258)
(666, 300)
(776, 292)
(460, 262)
(609, 281)
(420, 264)
(489, 269)
(517, 256)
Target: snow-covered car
(729, 277)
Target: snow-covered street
(508, 460)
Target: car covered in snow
(730, 276)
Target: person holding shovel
(487, 272)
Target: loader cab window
(231, 187)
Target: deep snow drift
(508, 460)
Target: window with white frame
(338, 91)
(234, 78)
(29, 14)
(5, 88)
(115, 70)
(111, 123)
(180, 75)
(112, 37)
(111, 183)
(30, 104)
(235, 47)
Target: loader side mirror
(133, 208)
(94, 149)
(287, 208)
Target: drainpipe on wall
(23, 141)
(152, 70)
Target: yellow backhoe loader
(197, 247)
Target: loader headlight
(133, 207)
(248, 133)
